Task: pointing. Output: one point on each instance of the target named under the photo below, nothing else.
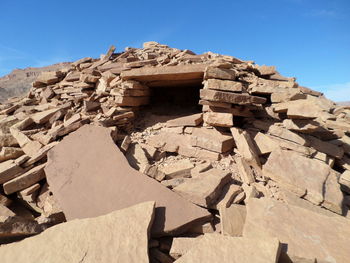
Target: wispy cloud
(336, 92)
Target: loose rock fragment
(71, 242)
(205, 189)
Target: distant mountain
(19, 81)
(344, 103)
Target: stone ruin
(208, 158)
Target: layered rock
(256, 134)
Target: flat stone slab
(301, 175)
(156, 76)
(232, 220)
(223, 249)
(211, 140)
(25, 180)
(89, 176)
(190, 120)
(228, 97)
(306, 233)
(225, 85)
(205, 189)
(121, 236)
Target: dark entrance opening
(175, 100)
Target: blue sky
(308, 39)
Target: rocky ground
(161, 155)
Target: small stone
(205, 189)
(212, 140)
(25, 180)
(44, 116)
(232, 220)
(218, 119)
(91, 106)
(228, 195)
(219, 73)
(8, 170)
(245, 171)
(136, 157)
(190, 120)
(264, 143)
(245, 146)
(225, 85)
(178, 169)
(8, 153)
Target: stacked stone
(60, 102)
(259, 134)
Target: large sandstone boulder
(307, 234)
(304, 176)
(121, 236)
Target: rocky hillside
(19, 81)
(344, 103)
(162, 155)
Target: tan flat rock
(245, 172)
(155, 76)
(183, 144)
(218, 119)
(190, 120)
(7, 140)
(205, 189)
(219, 73)
(266, 70)
(264, 143)
(326, 147)
(228, 196)
(44, 116)
(178, 169)
(232, 220)
(89, 176)
(25, 180)
(246, 146)
(8, 170)
(136, 157)
(212, 140)
(228, 97)
(8, 153)
(285, 134)
(306, 233)
(345, 180)
(218, 248)
(225, 85)
(118, 239)
(181, 245)
(299, 174)
(333, 196)
(303, 109)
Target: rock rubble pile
(208, 157)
